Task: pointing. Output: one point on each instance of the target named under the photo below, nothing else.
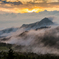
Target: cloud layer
(27, 6)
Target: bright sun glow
(27, 10)
(34, 10)
(23, 10)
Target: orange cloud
(23, 10)
(29, 8)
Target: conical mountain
(42, 23)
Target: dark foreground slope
(18, 55)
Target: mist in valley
(30, 38)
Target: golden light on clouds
(13, 7)
(23, 10)
(24, 1)
(27, 10)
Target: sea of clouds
(37, 41)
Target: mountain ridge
(44, 22)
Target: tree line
(18, 55)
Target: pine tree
(10, 54)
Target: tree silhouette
(10, 54)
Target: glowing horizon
(19, 7)
(27, 10)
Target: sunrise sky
(14, 13)
(28, 6)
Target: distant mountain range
(43, 23)
(8, 30)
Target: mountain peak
(44, 22)
(45, 18)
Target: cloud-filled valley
(40, 41)
(44, 39)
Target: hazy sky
(10, 11)
(28, 6)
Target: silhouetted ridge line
(43, 23)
